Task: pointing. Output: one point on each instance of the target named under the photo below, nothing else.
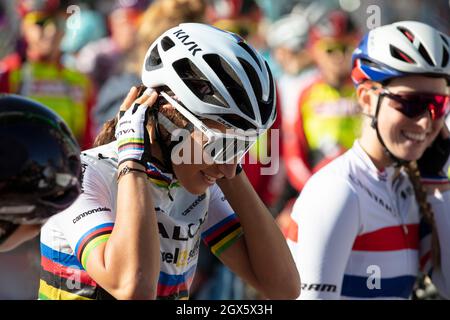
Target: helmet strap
(374, 124)
(165, 150)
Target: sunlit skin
(198, 174)
(394, 127)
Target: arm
(22, 234)
(321, 236)
(261, 256)
(127, 264)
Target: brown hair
(106, 134)
(425, 209)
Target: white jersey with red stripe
(356, 233)
(183, 220)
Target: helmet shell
(401, 49)
(215, 74)
(39, 162)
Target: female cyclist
(39, 168)
(366, 224)
(134, 233)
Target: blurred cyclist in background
(39, 74)
(327, 119)
(287, 39)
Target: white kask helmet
(401, 49)
(215, 74)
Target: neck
(373, 148)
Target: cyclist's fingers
(148, 98)
(128, 101)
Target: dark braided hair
(425, 208)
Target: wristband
(126, 170)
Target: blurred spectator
(326, 119)
(287, 39)
(160, 16)
(104, 58)
(38, 73)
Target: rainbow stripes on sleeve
(63, 277)
(175, 286)
(223, 234)
(91, 240)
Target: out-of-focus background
(81, 57)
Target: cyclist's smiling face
(199, 174)
(407, 138)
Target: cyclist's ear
(364, 98)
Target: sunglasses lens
(414, 105)
(227, 150)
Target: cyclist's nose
(227, 169)
(425, 120)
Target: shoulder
(99, 164)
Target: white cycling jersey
(356, 233)
(183, 219)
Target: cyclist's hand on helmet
(131, 133)
(433, 160)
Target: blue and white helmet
(215, 74)
(401, 49)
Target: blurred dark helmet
(39, 162)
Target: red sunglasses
(414, 104)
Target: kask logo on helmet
(181, 35)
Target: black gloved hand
(432, 162)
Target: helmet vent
(444, 39)
(154, 60)
(238, 121)
(254, 80)
(444, 58)
(244, 46)
(197, 83)
(231, 82)
(425, 55)
(408, 34)
(265, 107)
(167, 43)
(400, 55)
